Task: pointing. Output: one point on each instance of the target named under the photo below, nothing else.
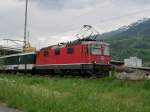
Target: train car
(82, 56)
(21, 62)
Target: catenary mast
(25, 26)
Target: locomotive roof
(18, 54)
(62, 45)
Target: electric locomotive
(85, 55)
(80, 56)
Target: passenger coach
(18, 62)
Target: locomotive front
(99, 57)
(99, 53)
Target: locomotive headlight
(94, 62)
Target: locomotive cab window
(57, 52)
(70, 50)
(106, 51)
(95, 50)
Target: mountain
(131, 40)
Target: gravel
(4, 108)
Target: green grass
(43, 94)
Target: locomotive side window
(57, 52)
(70, 50)
(106, 50)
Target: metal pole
(25, 26)
(25, 31)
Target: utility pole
(25, 26)
(25, 32)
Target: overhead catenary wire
(100, 22)
(110, 19)
(115, 17)
(126, 15)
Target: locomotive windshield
(97, 49)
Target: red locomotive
(81, 56)
(85, 55)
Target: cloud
(53, 21)
(50, 4)
(132, 1)
(76, 4)
(63, 4)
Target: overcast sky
(52, 21)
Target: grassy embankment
(43, 94)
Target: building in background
(133, 62)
